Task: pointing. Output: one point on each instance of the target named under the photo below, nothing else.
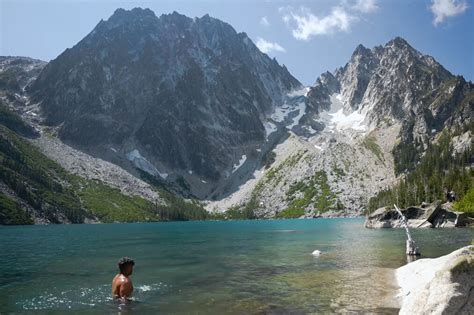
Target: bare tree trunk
(412, 250)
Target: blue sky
(309, 37)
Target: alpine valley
(175, 118)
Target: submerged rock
(435, 215)
(444, 285)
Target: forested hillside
(440, 169)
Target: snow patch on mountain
(269, 128)
(301, 108)
(281, 113)
(241, 162)
(338, 119)
(140, 162)
(310, 130)
(299, 92)
(342, 121)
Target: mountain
(160, 108)
(396, 82)
(367, 126)
(181, 99)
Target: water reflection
(412, 258)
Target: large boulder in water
(435, 215)
(444, 285)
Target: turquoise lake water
(234, 267)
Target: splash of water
(82, 297)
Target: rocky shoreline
(443, 285)
(434, 215)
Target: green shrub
(466, 204)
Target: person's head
(125, 265)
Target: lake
(211, 267)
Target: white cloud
(305, 24)
(309, 25)
(285, 12)
(267, 47)
(366, 6)
(264, 21)
(447, 8)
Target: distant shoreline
(170, 221)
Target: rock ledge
(435, 215)
(443, 285)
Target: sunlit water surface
(211, 267)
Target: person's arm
(126, 289)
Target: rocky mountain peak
(399, 42)
(122, 16)
(329, 81)
(175, 18)
(361, 50)
(173, 95)
(355, 76)
(207, 18)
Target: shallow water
(211, 267)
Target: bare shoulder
(119, 280)
(125, 280)
(116, 278)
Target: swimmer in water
(122, 286)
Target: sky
(308, 37)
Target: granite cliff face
(178, 97)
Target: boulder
(443, 285)
(434, 215)
(463, 220)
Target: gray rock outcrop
(444, 285)
(435, 215)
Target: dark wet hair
(125, 261)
